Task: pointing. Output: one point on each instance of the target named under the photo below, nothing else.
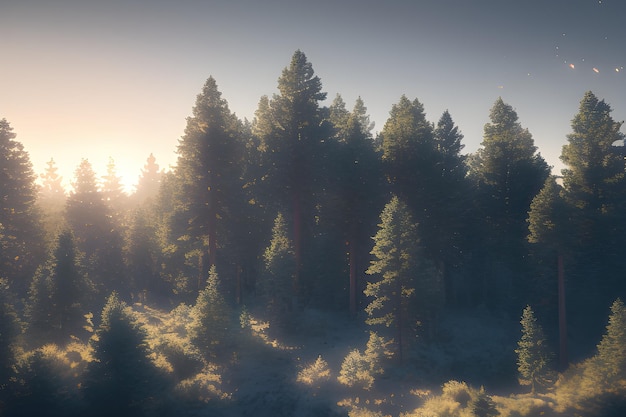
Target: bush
(315, 373)
(360, 369)
(183, 357)
(45, 384)
(458, 392)
(202, 387)
(355, 371)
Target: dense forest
(299, 264)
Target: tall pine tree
(593, 184)
(20, 220)
(508, 173)
(404, 287)
(292, 137)
(209, 170)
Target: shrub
(360, 369)
(203, 387)
(458, 392)
(183, 357)
(315, 373)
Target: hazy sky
(100, 79)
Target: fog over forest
(300, 264)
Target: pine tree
(19, 217)
(612, 347)
(122, 380)
(59, 294)
(9, 331)
(508, 173)
(292, 136)
(143, 254)
(211, 318)
(533, 357)
(209, 169)
(95, 231)
(51, 200)
(548, 230)
(149, 181)
(86, 212)
(276, 284)
(114, 195)
(355, 192)
(447, 233)
(593, 184)
(398, 271)
(483, 406)
(408, 151)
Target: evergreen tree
(448, 230)
(9, 331)
(210, 315)
(143, 254)
(400, 275)
(95, 232)
(149, 181)
(19, 217)
(59, 294)
(483, 406)
(356, 187)
(121, 380)
(114, 195)
(293, 140)
(533, 357)
(280, 268)
(593, 184)
(408, 153)
(548, 231)
(612, 348)
(51, 200)
(86, 212)
(209, 169)
(508, 173)
(45, 384)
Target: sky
(118, 78)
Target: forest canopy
(305, 209)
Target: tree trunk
(212, 227)
(297, 243)
(353, 280)
(563, 360)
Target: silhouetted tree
(122, 380)
(448, 229)
(149, 181)
(114, 195)
(21, 223)
(44, 384)
(96, 234)
(482, 405)
(593, 184)
(143, 254)
(59, 294)
(51, 200)
(209, 169)
(9, 331)
(355, 187)
(292, 138)
(508, 173)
